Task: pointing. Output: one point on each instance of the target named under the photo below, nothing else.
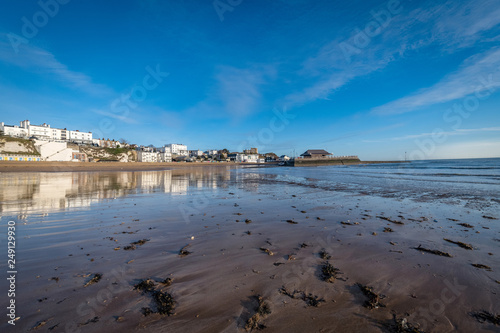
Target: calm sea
(469, 179)
(472, 182)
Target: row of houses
(45, 132)
(179, 152)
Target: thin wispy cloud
(239, 90)
(123, 118)
(441, 134)
(449, 27)
(237, 93)
(39, 61)
(477, 74)
(363, 133)
(464, 23)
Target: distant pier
(338, 160)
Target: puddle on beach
(193, 239)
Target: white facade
(147, 156)
(41, 132)
(15, 131)
(105, 143)
(45, 132)
(80, 136)
(195, 153)
(250, 158)
(59, 134)
(165, 157)
(211, 152)
(54, 151)
(177, 149)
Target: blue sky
(371, 78)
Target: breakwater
(349, 160)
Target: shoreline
(18, 166)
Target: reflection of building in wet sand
(28, 193)
(151, 181)
(180, 181)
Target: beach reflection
(22, 194)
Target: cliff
(109, 154)
(16, 146)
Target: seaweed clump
(373, 301)
(462, 245)
(402, 326)
(164, 302)
(485, 316)
(328, 272)
(481, 266)
(140, 242)
(309, 299)
(183, 252)
(255, 322)
(436, 252)
(167, 282)
(97, 277)
(132, 245)
(324, 255)
(390, 220)
(145, 285)
(266, 250)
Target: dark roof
(316, 152)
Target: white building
(45, 132)
(80, 137)
(165, 156)
(106, 143)
(148, 156)
(250, 158)
(195, 153)
(211, 152)
(176, 149)
(42, 132)
(14, 131)
(284, 158)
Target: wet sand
(230, 230)
(14, 166)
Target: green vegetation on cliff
(17, 146)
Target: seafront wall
(325, 161)
(304, 162)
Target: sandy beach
(15, 166)
(224, 250)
